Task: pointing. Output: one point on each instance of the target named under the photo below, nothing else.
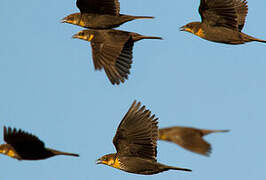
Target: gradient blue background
(48, 87)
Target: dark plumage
(222, 22)
(136, 144)
(112, 51)
(24, 146)
(99, 14)
(188, 138)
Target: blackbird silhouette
(112, 51)
(99, 14)
(222, 22)
(24, 146)
(136, 144)
(188, 138)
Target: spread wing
(137, 133)
(22, 141)
(111, 7)
(227, 13)
(188, 138)
(114, 54)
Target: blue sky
(49, 88)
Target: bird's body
(112, 50)
(222, 34)
(95, 14)
(136, 144)
(24, 146)
(222, 22)
(100, 21)
(142, 166)
(188, 138)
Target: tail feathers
(150, 37)
(143, 17)
(259, 40)
(248, 38)
(177, 168)
(206, 131)
(63, 153)
(137, 37)
(140, 37)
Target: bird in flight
(25, 146)
(112, 51)
(188, 138)
(136, 144)
(99, 14)
(221, 21)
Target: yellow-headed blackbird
(99, 14)
(222, 22)
(136, 144)
(188, 138)
(112, 51)
(24, 146)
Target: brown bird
(222, 22)
(188, 138)
(112, 51)
(24, 146)
(99, 14)
(136, 144)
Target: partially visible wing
(111, 7)
(227, 13)
(115, 56)
(137, 134)
(22, 141)
(188, 138)
(242, 11)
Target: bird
(221, 21)
(112, 51)
(189, 138)
(21, 145)
(99, 14)
(136, 144)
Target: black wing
(114, 54)
(111, 7)
(22, 141)
(227, 13)
(137, 133)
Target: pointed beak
(98, 161)
(75, 36)
(64, 20)
(182, 28)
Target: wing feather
(227, 13)
(111, 7)
(137, 133)
(22, 141)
